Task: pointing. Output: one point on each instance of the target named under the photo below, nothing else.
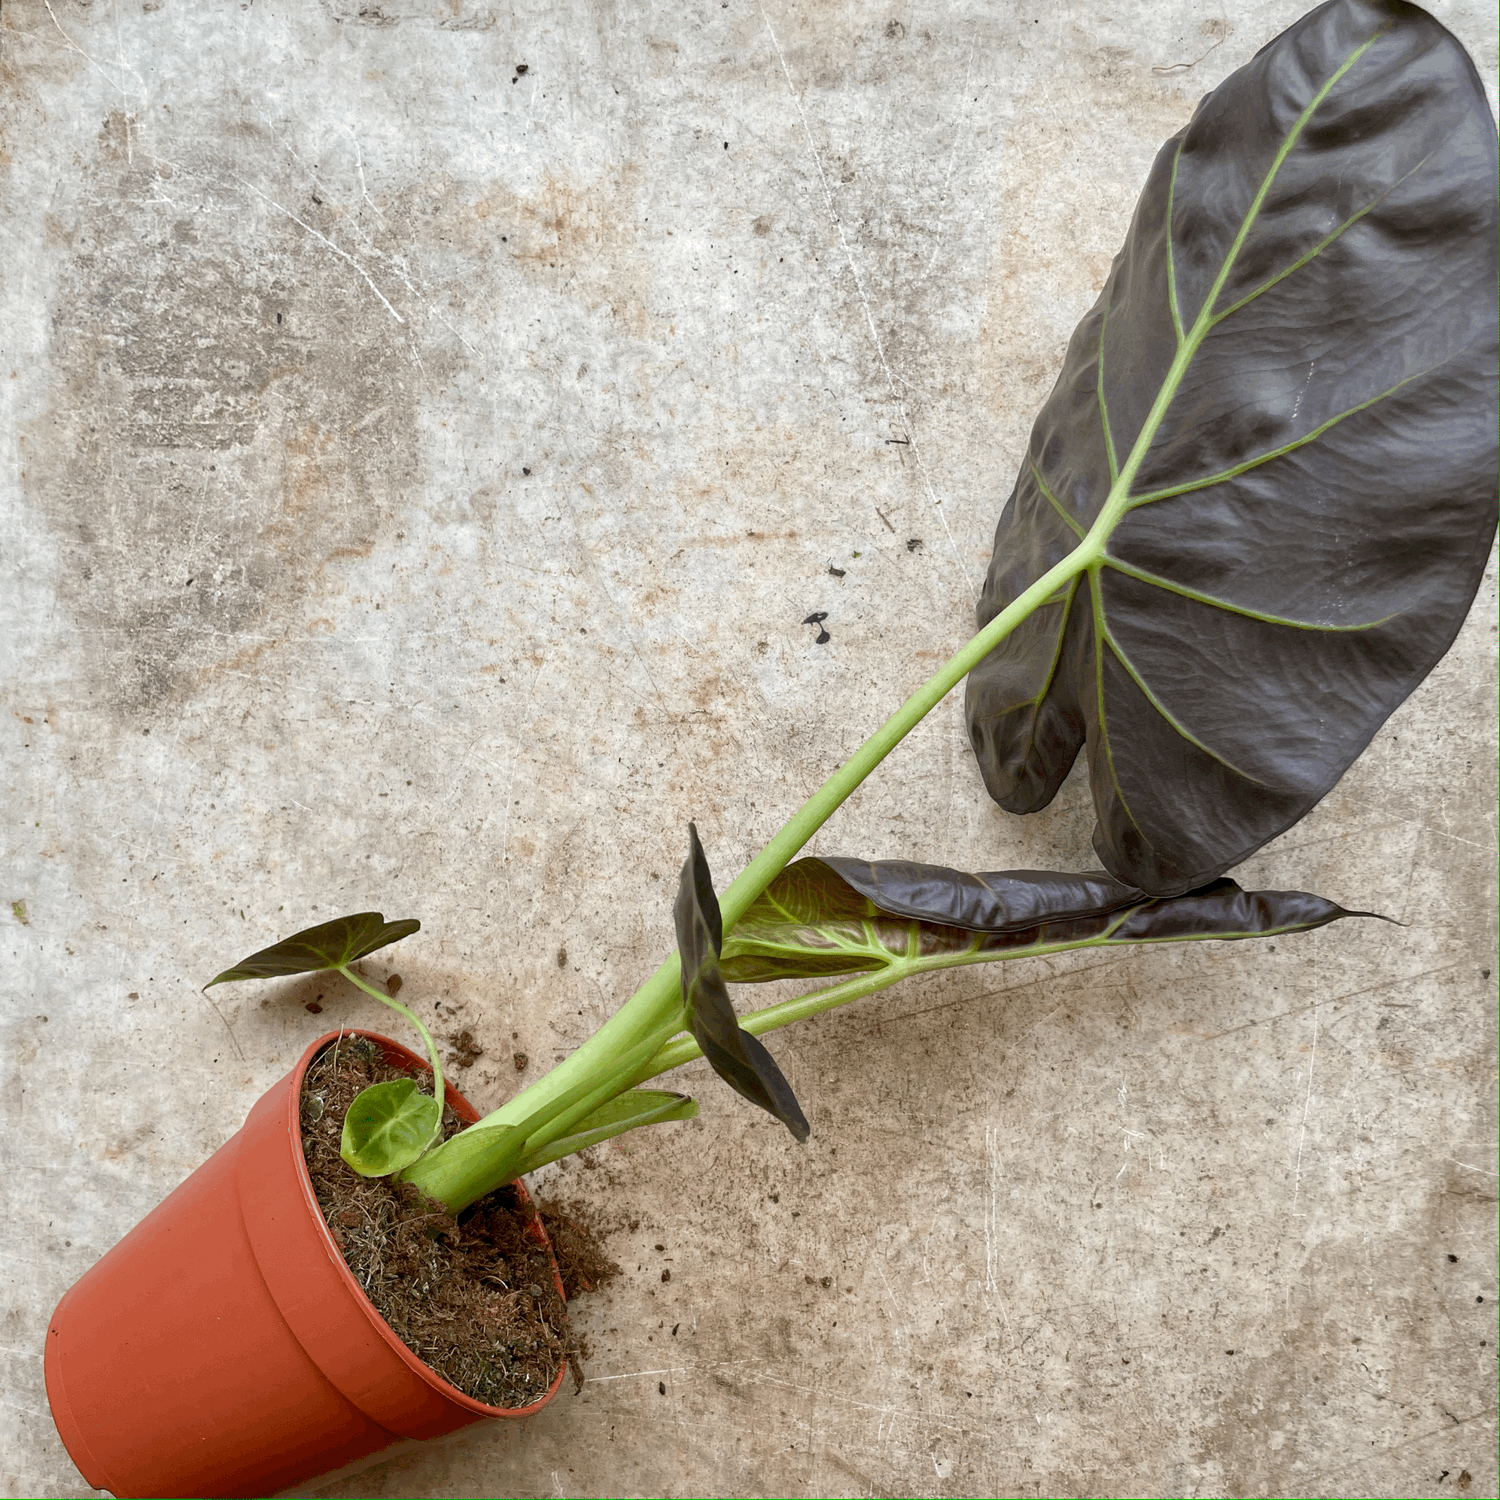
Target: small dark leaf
(736, 1056)
(843, 916)
(1223, 910)
(1276, 427)
(329, 945)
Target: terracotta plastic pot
(224, 1348)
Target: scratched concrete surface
(415, 473)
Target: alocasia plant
(1252, 516)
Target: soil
(473, 1296)
(576, 1234)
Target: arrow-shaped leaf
(388, 1127)
(329, 945)
(844, 916)
(1272, 444)
(736, 1056)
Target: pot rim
(294, 1137)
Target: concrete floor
(415, 471)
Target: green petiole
(426, 1035)
(595, 1070)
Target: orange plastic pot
(224, 1348)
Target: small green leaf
(329, 945)
(388, 1127)
(736, 1056)
(627, 1111)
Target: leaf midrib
(1091, 554)
(1092, 549)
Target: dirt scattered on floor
(466, 1051)
(578, 1232)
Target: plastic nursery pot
(224, 1348)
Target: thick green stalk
(652, 1006)
(620, 1078)
(684, 1049)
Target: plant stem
(652, 1006)
(771, 1017)
(396, 1005)
(620, 1078)
(685, 1049)
(593, 1073)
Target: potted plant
(1252, 516)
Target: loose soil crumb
(473, 1296)
(466, 1051)
(577, 1234)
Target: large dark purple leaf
(1274, 439)
(740, 1059)
(845, 916)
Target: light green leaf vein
(1057, 645)
(1053, 501)
(1205, 314)
(1171, 252)
(1109, 442)
(1162, 709)
(1120, 498)
(1322, 244)
(1101, 636)
(1157, 581)
(1264, 458)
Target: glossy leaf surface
(1276, 430)
(628, 1111)
(740, 1059)
(388, 1126)
(842, 916)
(329, 945)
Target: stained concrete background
(415, 472)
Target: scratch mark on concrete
(16, 1405)
(1283, 1015)
(991, 1206)
(341, 253)
(897, 1326)
(641, 1374)
(920, 1417)
(958, 135)
(864, 299)
(1306, 1106)
(120, 64)
(451, 329)
(103, 72)
(359, 166)
(1327, 1479)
